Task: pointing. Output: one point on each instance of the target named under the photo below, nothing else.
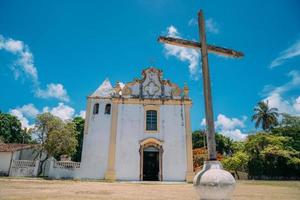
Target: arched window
(96, 109)
(151, 120)
(107, 109)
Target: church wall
(131, 131)
(174, 146)
(95, 145)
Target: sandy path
(26, 189)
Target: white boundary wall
(63, 169)
(24, 168)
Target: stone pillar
(189, 147)
(111, 172)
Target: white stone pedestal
(214, 183)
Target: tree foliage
(62, 142)
(272, 156)
(79, 126)
(237, 162)
(289, 127)
(223, 143)
(198, 138)
(56, 137)
(11, 130)
(265, 116)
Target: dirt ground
(26, 189)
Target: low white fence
(66, 164)
(63, 169)
(24, 168)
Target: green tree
(272, 156)
(79, 126)
(237, 162)
(11, 130)
(289, 127)
(62, 141)
(55, 137)
(223, 143)
(290, 121)
(238, 146)
(198, 138)
(265, 116)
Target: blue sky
(55, 53)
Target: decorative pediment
(150, 86)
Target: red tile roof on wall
(14, 147)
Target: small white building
(12, 152)
(138, 131)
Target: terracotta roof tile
(14, 147)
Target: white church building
(140, 131)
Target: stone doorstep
(154, 182)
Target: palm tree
(265, 116)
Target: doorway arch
(151, 153)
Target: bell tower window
(96, 109)
(107, 109)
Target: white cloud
(291, 106)
(275, 95)
(212, 26)
(82, 114)
(291, 52)
(297, 104)
(225, 123)
(292, 84)
(183, 54)
(234, 134)
(28, 112)
(62, 111)
(24, 65)
(193, 22)
(53, 91)
(229, 126)
(13, 46)
(24, 121)
(203, 122)
(276, 101)
(23, 112)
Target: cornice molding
(146, 101)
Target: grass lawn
(68, 189)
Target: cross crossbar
(197, 45)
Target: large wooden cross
(205, 48)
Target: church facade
(138, 131)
